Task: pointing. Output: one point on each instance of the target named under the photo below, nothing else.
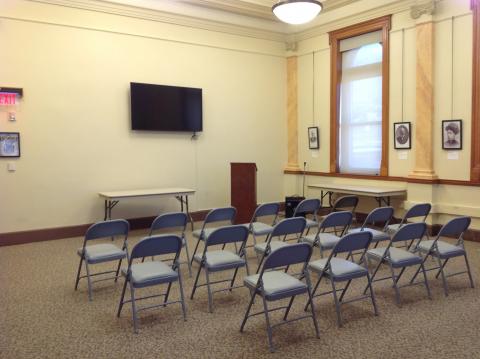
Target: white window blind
(360, 121)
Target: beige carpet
(41, 316)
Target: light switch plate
(11, 166)
(12, 116)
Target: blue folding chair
(335, 223)
(288, 226)
(382, 216)
(216, 215)
(221, 260)
(444, 251)
(104, 252)
(308, 207)
(272, 285)
(147, 274)
(397, 258)
(419, 210)
(257, 228)
(172, 221)
(345, 203)
(343, 270)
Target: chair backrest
(410, 232)
(380, 214)
(352, 242)
(418, 210)
(220, 215)
(455, 227)
(345, 203)
(169, 220)
(104, 229)
(157, 245)
(289, 255)
(228, 234)
(287, 226)
(266, 209)
(336, 219)
(307, 206)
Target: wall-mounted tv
(165, 108)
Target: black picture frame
(313, 139)
(452, 136)
(402, 135)
(9, 144)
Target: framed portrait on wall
(452, 134)
(402, 136)
(313, 140)
(9, 144)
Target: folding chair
(400, 258)
(272, 285)
(418, 210)
(221, 260)
(340, 270)
(288, 226)
(147, 274)
(379, 215)
(345, 203)
(105, 252)
(339, 221)
(177, 220)
(308, 207)
(257, 228)
(441, 250)
(225, 214)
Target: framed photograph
(313, 140)
(9, 144)
(452, 134)
(402, 135)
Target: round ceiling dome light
(297, 12)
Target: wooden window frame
(475, 146)
(383, 24)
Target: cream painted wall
(75, 67)
(447, 200)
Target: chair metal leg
(444, 279)
(373, 274)
(443, 266)
(120, 305)
(210, 298)
(426, 281)
(254, 293)
(395, 286)
(288, 308)
(337, 303)
(344, 290)
(188, 260)
(469, 272)
(196, 281)
(269, 328)
(194, 251)
(165, 299)
(78, 273)
(261, 261)
(118, 269)
(89, 282)
(182, 296)
(372, 295)
(312, 306)
(313, 292)
(134, 308)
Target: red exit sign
(7, 98)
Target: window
(359, 99)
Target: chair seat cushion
(398, 257)
(392, 228)
(151, 273)
(260, 247)
(206, 232)
(220, 260)
(311, 223)
(377, 236)
(446, 250)
(340, 269)
(261, 229)
(277, 285)
(104, 252)
(327, 240)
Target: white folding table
(381, 194)
(112, 198)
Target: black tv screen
(165, 108)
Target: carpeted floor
(41, 316)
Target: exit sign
(7, 99)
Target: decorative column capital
(422, 7)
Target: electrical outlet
(11, 166)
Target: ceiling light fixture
(297, 12)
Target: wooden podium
(243, 190)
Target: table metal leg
(182, 203)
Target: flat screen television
(165, 108)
